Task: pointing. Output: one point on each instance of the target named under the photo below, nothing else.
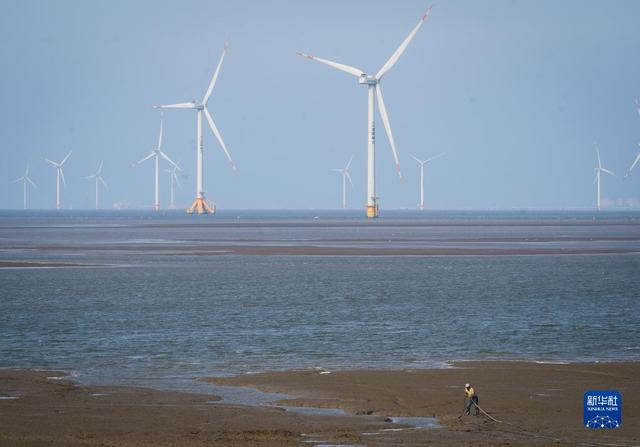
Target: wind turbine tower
(200, 204)
(59, 175)
(25, 179)
(599, 170)
(422, 163)
(345, 176)
(98, 177)
(375, 95)
(157, 153)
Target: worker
(471, 398)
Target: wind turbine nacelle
(369, 80)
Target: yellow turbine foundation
(372, 210)
(201, 206)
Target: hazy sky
(515, 92)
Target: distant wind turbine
(599, 170)
(635, 162)
(98, 177)
(375, 93)
(200, 204)
(25, 179)
(59, 174)
(173, 175)
(422, 163)
(157, 153)
(345, 176)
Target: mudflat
(536, 404)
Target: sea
(116, 299)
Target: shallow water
(161, 318)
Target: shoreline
(303, 250)
(529, 398)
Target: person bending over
(471, 398)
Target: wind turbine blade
(166, 157)
(65, 158)
(145, 158)
(29, 180)
(433, 158)
(598, 154)
(62, 176)
(415, 158)
(342, 67)
(387, 128)
(53, 163)
(88, 176)
(26, 171)
(215, 131)
(100, 168)
(21, 179)
(180, 105)
(102, 181)
(348, 177)
(349, 164)
(175, 177)
(596, 178)
(160, 136)
(215, 75)
(635, 162)
(395, 56)
(607, 171)
(337, 170)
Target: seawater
(160, 319)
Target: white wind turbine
(157, 153)
(635, 162)
(173, 175)
(200, 205)
(59, 174)
(599, 170)
(375, 93)
(99, 179)
(345, 176)
(25, 179)
(422, 163)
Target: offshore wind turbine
(59, 174)
(422, 163)
(599, 170)
(173, 175)
(99, 179)
(25, 179)
(635, 162)
(345, 176)
(375, 95)
(200, 204)
(157, 153)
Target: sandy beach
(536, 404)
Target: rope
(521, 430)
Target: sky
(514, 92)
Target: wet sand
(60, 413)
(34, 264)
(266, 249)
(538, 404)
